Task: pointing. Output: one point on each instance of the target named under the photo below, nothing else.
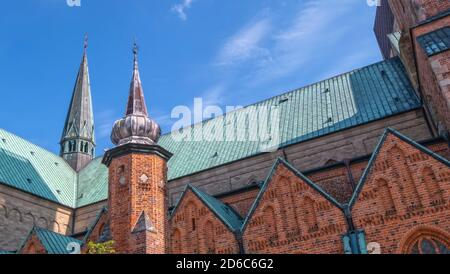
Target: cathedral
(362, 166)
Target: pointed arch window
(427, 241)
(429, 245)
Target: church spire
(136, 127)
(136, 102)
(78, 139)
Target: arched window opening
(428, 242)
(385, 197)
(176, 242)
(270, 223)
(310, 215)
(404, 179)
(429, 245)
(432, 186)
(209, 238)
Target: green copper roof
(360, 96)
(225, 213)
(35, 170)
(54, 243)
(354, 98)
(2, 252)
(92, 183)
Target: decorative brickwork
(195, 229)
(130, 197)
(241, 202)
(292, 217)
(434, 74)
(405, 188)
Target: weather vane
(86, 40)
(135, 47)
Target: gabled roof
(354, 98)
(360, 96)
(376, 152)
(281, 161)
(54, 243)
(35, 170)
(225, 213)
(104, 210)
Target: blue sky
(229, 52)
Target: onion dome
(136, 127)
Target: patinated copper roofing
(78, 137)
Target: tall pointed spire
(78, 138)
(136, 102)
(135, 127)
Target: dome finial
(136, 126)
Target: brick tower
(137, 203)
(424, 30)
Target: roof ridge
(202, 197)
(37, 146)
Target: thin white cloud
(214, 95)
(312, 29)
(180, 9)
(104, 123)
(246, 44)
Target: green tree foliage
(101, 248)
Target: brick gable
(405, 186)
(196, 229)
(293, 215)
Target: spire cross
(86, 40)
(135, 52)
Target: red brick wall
(127, 202)
(433, 7)
(291, 217)
(195, 229)
(33, 246)
(409, 13)
(95, 232)
(434, 74)
(406, 192)
(335, 181)
(241, 202)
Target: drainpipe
(240, 242)
(352, 234)
(349, 219)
